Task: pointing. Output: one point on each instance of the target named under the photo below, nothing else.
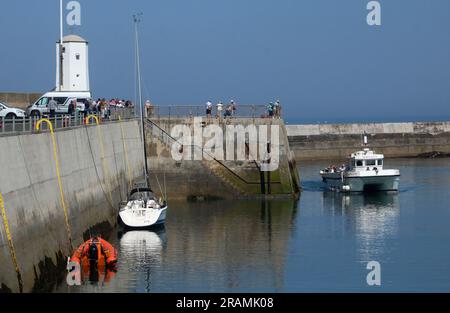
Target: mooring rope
(58, 174)
(103, 157)
(130, 179)
(10, 243)
(96, 170)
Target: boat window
(371, 163)
(353, 163)
(141, 196)
(359, 163)
(380, 162)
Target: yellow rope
(58, 174)
(10, 243)
(102, 151)
(126, 155)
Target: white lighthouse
(72, 64)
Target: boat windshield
(371, 162)
(142, 195)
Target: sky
(319, 57)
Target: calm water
(321, 243)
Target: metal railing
(182, 111)
(62, 121)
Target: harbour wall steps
(337, 141)
(96, 166)
(218, 178)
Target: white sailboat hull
(143, 217)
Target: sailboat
(142, 209)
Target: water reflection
(229, 245)
(96, 276)
(215, 246)
(140, 255)
(371, 218)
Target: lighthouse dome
(73, 38)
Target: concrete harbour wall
(225, 179)
(96, 167)
(19, 100)
(337, 141)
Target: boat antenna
(365, 140)
(137, 19)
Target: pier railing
(64, 121)
(183, 111)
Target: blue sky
(319, 57)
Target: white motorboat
(364, 172)
(142, 210)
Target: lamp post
(61, 36)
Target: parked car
(9, 113)
(63, 98)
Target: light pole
(61, 36)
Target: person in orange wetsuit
(96, 252)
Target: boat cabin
(366, 160)
(141, 194)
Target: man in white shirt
(209, 109)
(219, 110)
(149, 108)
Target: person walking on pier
(209, 106)
(87, 107)
(149, 109)
(278, 109)
(228, 111)
(70, 112)
(219, 110)
(234, 106)
(52, 105)
(270, 109)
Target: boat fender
(346, 188)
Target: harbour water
(322, 243)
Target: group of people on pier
(230, 110)
(86, 107)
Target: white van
(63, 98)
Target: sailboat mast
(137, 20)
